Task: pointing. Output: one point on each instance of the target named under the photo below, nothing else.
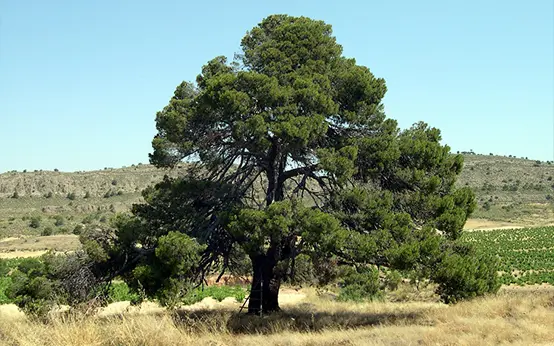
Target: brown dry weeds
(513, 317)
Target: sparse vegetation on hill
(510, 189)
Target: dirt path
(482, 224)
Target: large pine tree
(290, 153)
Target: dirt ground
(482, 224)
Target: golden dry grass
(515, 317)
(21, 247)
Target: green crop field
(526, 255)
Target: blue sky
(81, 81)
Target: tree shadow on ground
(302, 318)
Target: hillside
(510, 189)
(507, 189)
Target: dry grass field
(35, 246)
(522, 316)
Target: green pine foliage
(360, 284)
(291, 154)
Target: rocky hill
(507, 189)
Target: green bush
(5, 283)
(360, 285)
(35, 222)
(88, 219)
(487, 206)
(392, 280)
(217, 292)
(39, 284)
(47, 231)
(78, 229)
(59, 220)
(119, 292)
(464, 276)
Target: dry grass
(36, 246)
(513, 317)
(483, 224)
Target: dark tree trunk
(266, 281)
(264, 294)
(275, 167)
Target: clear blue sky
(81, 81)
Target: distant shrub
(59, 220)
(35, 222)
(120, 193)
(87, 194)
(103, 218)
(71, 196)
(109, 194)
(24, 171)
(509, 207)
(48, 195)
(548, 197)
(15, 195)
(56, 170)
(78, 229)
(488, 187)
(88, 219)
(47, 231)
(487, 206)
(114, 182)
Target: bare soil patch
(482, 224)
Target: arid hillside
(512, 190)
